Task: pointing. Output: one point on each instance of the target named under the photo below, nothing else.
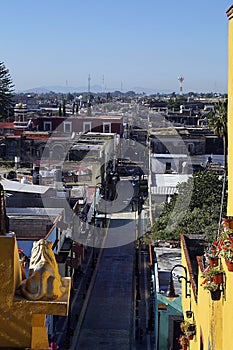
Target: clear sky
(131, 43)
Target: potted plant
(183, 341)
(213, 288)
(212, 255)
(227, 233)
(188, 328)
(184, 326)
(214, 274)
(213, 279)
(227, 223)
(226, 251)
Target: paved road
(106, 318)
(144, 307)
(109, 318)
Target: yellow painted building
(213, 318)
(230, 111)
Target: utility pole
(4, 221)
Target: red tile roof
(6, 125)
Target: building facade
(207, 307)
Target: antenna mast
(181, 79)
(89, 96)
(89, 84)
(103, 84)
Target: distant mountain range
(94, 89)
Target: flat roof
(168, 155)
(54, 212)
(165, 184)
(15, 186)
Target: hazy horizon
(121, 44)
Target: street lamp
(171, 289)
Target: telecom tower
(89, 96)
(181, 79)
(103, 84)
(89, 84)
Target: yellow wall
(209, 315)
(230, 112)
(214, 319)
(227, 312)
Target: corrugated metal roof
(166, 183)
(163, 190)
(169, 180)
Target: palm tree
(217, 121)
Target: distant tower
(103, 87)
(89, 96)
(89, 84)
(181, 79)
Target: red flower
(204, 282)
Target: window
(191, 148)
(86, 126)
(168, 168)
(106, 127)
(67, 127)
(47, 126)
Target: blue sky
(130, 42)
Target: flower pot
(184, 347)
(216, 295)
(184, 341)
(229, 265)
(189, 314)
(227, 223)
(213, 262)
(230, 239)
(218, 278)
(192, 328)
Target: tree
(64, 108)
(6, 91)
(202, 214)
(59, 110)
(217, 121)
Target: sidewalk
(144, 305)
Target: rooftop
(15, 186)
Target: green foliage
(64, 108)
(6, 91)
(176, 101)
(199, 215)
(217, 121)
(59, 111)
